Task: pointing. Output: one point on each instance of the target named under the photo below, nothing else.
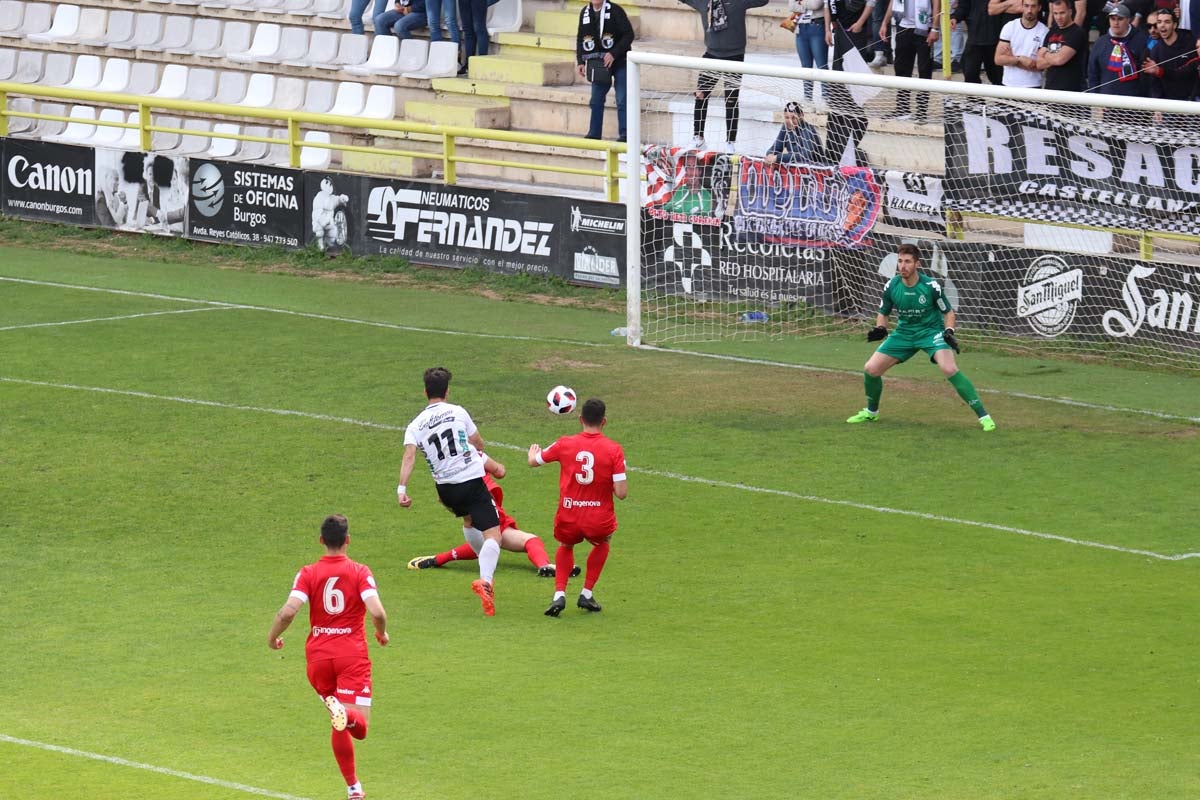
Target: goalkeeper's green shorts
(903, 345)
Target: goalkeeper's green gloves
(876, 334)
(949, 338)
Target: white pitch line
(110, 319)
(655, 473)
(174, 773)
(308, 315)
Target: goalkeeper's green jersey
(919, 308)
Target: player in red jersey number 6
(591, 472)
(342, 593)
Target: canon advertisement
(49, 182)
(246, 204)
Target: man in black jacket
(604, 37)
(983, 33)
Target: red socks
(356, 723)
(564, 562)
(343, 751)
(595, 565)
(464, 552)
(536, 551)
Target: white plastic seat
(299, 8)
(160, 141)
(66, 22)
(86, 73)
(177, 30)
(252, 151)
(385, 50)
(30, 64)
(442, 62)
(353, 49)
(318, 96)
(201, 84)
(316, 157)
(115, 77)
(20, 125)
(414, 55)
(293, 44)
(57, 69)
(37, 19)
(223, 148)
(108, 135)
(8, 64)
(191, 144)
(349, 100)
(12, 14)
(256, 5)
(322, 49)
(147, 29)
(333, 9)
(173, 83)
(278, 153)
(79, 129)
(92, 24)
(131, 138)
(235, 37)
(504, 17)
(119, 29)
(231, 88)
(260, 91)
(289, 94)
(264, 45)
(143, 77)
(381, 102)
(206, 35)
(46, 128)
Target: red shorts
(506, 521)
(570, 534)
(347, 679)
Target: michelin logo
(592, 223)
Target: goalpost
(1060, 223)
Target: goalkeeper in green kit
(925, 322)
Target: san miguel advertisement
(1017, 163)
(455, 226)
(805, 205)
(49, 182)
(246, 204)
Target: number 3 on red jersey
(586, 472)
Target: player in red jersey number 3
(591, 472)
(340, 592)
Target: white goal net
(1058, 227)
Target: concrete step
(521, 43)
(566, 23)
(400, 166)
(460, 110)
(546, 70)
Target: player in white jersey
(447, 436)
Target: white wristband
(401, 489)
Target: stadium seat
(278, 153)
(349, 100)
(255, 5)
(36, 19)
(206, 36)
(316, 157)
(173, 83)
(92, 24)
(159, 140)
(260, 91)
(289, 94)
(318, 96)
(381, 102)
(8, 64)
(131, 138)
(333, 9)
(213, 4)
(235, 37)
(201, 85)
(252, 151)
(504, 17)
(264, 45)
(48, 127)
(442, 62)
(20, 125)
(119, 29)
(300, 8)
(293, 44)
(143, 77)
(115, 77)
(223, 148)
(109, 135)
(231, 87)
(414, 55)
(79, 129)
(29, 66)
(191, 144)
(86, 73)
(58, 68)
(12, 14)
(66, 22)
(147, 29)
(177, 31)
(385, 50)
(352, 51)
(322, 49)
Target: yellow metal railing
(448, 136)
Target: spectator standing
(797, 140)
(811, 19)
(1171, 64)
(402, 19)
(852, 16)
(358, 8)
(958, 42)
(983, 32)
(1063, 54)
(1115, 62)
(601, 42)
(916, 31)
(881, 46)
(475, 39)
(1020, 40)
(846, 124)
(724, 24)
(439, 11)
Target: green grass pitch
(793, 608)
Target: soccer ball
(561, 400)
